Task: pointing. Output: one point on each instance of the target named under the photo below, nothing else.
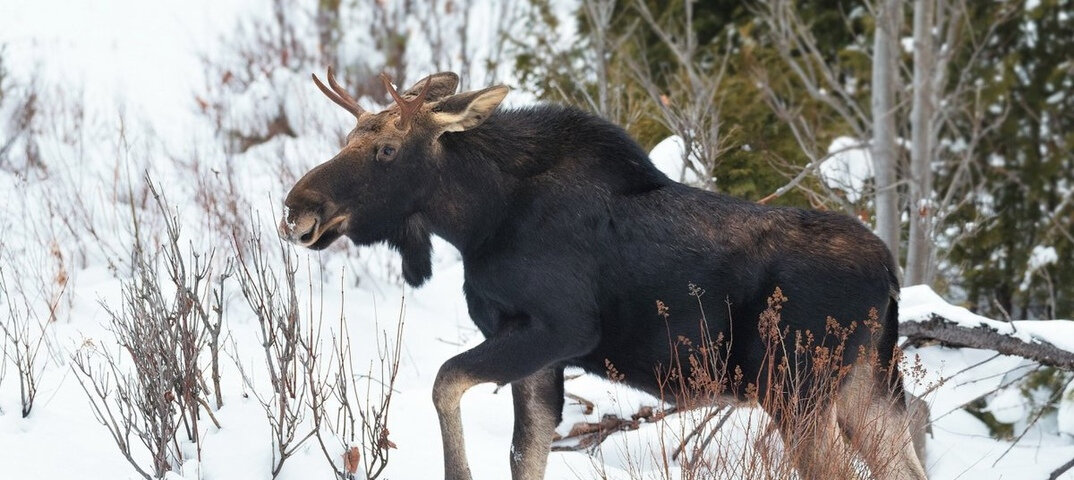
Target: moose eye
(386, 153)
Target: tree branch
(949, 333)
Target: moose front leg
(538, 410)
(522, 354)
(450, 384)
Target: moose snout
(299, 229)
(311, 228)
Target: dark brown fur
(569, 236)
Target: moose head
(387, 170)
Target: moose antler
(407, 108)
(338, 94)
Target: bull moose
(570, 236)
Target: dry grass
(828, 411)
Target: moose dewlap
(570, 239)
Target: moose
(570, 240)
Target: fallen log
(948, 333)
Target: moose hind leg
(878, 426)
(538, 401)
(816, 446)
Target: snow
(1041, 256)
(668, 156)
(919, 302)
(848, 167)
(958, 445)
(1008, 406)
(907, 44)
(126, 54)
(1065, 415)
(136, 64)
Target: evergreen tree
(1024, 174)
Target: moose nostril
(301, 230)
(307, 234)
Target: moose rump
(578, 251)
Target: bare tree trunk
(599, 13)
(919, 247)
(885, 157)
(932, 19)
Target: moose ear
(441, 85)
(467, 110)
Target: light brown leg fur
(878, 428)
(918, 411)
(817, 449)
(447, 393)
(538, 404)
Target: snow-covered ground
(66, 235)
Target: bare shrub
(690, 102)
(33, 284)
(587, 72)
(261, 49)
(20, 109)
(117, 404)
(813, 387)
(153, 388)
(24, 336)
(250, 91)
(217, 191)
(274, 301)
(350, 410)
(318, 390)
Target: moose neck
(483, 170)
(477, 182)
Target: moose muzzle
(299, 229)
(305, 229)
